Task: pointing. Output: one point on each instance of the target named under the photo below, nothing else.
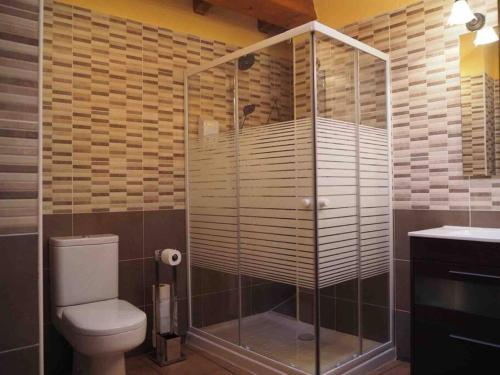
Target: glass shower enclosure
(289, 216)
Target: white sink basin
(460, 233)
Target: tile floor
(196, 364)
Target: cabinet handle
(485, 343)
(474, 274)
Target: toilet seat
(109, 317)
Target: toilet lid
(103, 318)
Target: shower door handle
(307, 202)
(322, 202)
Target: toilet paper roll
(164, 310)
(171, 257)
(164, 291)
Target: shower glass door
(374, 213)
(213, 210)
(354, 207)
(276, 210)
(338, 218)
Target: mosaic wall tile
(145, 152)
(18, 117)
(478, 125)
(114, 108)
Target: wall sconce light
(477, 23)
(484, 36)
(461, 13)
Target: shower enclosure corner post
(186, 192)
(314, 93)
(388, 90)
(236, 119)
(357, 122)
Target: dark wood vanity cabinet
(455, 306)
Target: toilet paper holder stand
(168, 345)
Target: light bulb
(461, 13)
(486, 35)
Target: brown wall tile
(183, 317)
(306, 307)
(127, 225)
(327, 312)
(346, 316)
(402, 284)
(269, 295)
(376, 323)
(216, 282)
(58, 355)
(18, 291)
(131, 281)
(197, 311)
(402, 334)
(22, 361)
(487, 219)
(375, 290)
(164, 229)
(410, 220)
(55, 226)
(220, 307)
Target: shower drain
(306, 336)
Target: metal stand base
(168, 350)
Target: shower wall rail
(298, 208)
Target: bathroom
(298, 159)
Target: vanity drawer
(438, 350)
(459, 252)
(473, 290)
(455, 302)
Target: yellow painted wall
(338, 13)
(478, 60)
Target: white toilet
(85, 305)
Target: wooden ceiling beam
(269, 28)
(201, 7)
(284, 13)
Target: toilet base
(108, 364)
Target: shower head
(247, 110)
(246, 62)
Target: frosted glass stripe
(276, 236)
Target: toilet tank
(83, 269)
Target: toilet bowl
(86, 309)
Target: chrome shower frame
(239, 357)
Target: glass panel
(213, 202)
(276, 230)
(338, 235)
(374, 202)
